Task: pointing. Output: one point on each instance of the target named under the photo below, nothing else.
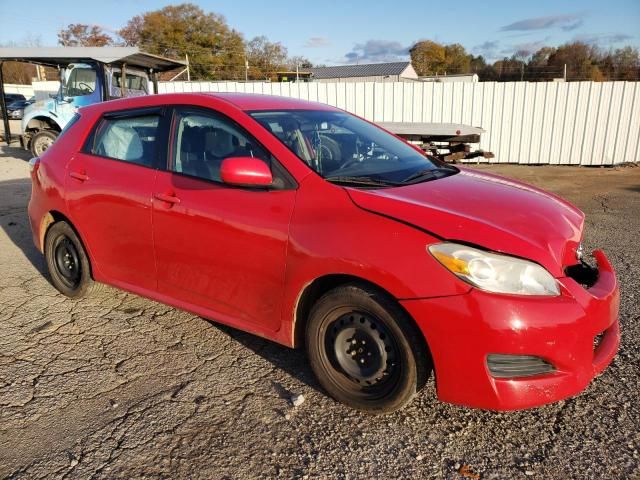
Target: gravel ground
(118, 386)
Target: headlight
(494, 272)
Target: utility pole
(522, 71)
(297, 72)
(188, 69)
(565, 72)
(246, 70)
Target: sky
(335, 32)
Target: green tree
(215, 50)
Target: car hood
(486, 210)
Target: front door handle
(83, 177)
(167, 197)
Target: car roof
(255, 101)
(242, 101)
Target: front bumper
(577, 332)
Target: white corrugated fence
(574, 123)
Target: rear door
(218, 247)
(109, 187)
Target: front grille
(512, 366)
(597, 340)
(583, 273)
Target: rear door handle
(83, 177)
(166, 197)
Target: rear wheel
(67, 261)
(365, 350)
(41, 141)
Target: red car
(311, 227)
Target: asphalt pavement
(118, 386)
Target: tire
(68, 262)
(41, 141)
(365, 350)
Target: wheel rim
(363, 353)
(42, 144)
(67, 262)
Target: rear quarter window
(130, 139)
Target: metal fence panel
(575, 123)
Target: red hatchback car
(309, 226)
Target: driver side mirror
(246, 172)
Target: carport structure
(61, 57)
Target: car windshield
(346, 149)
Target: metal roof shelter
(364, 70)
(63, 56)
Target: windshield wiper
(429, 173)
(356, 180)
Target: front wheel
(365, 350)
(41, 141)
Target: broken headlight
(495, 272)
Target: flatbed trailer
(447, 141)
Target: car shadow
(291, 361)
(14, 197)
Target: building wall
(574, 123)
(26, 90)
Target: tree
(23, 73)
(265, 58)
(625, 64)
(580, 58)
(299, 61)
(215, 50)
(509, 69)
(428, 58)
(81, 35)
(432, 58)
(456, 59)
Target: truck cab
(81, 84)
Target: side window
(131, 139)
(203, 140)
(82, 81)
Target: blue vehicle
(87, 75)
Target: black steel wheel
(67, 261)
(365, 350)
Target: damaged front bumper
(576, 333)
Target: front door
(220, 248)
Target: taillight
(34, 163)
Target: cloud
(527, 48)
(317, 42)
(603, 38)
(377, 51)
(522, 49)
(487, 49)
(565, 22)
